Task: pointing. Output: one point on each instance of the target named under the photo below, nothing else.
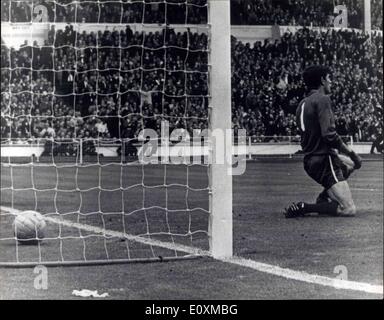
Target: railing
(38, 147)
(126, 148)
(286, 139)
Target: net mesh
(80, 80)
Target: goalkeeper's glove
(356, 159)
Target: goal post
(367, 17)
(220, 223)
(108, 75)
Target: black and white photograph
(191, 154)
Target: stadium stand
(109, 11)
(266, 81)
(58, 107)
(267, 84)
(377, 14)
(244, 12)
(302, 13)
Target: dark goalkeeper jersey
(316, 121)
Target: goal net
(81, 80)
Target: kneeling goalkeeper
(327, 159)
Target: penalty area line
(252, 264)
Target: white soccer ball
(29, 227)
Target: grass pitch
(317, 245)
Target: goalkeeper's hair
(312, 76)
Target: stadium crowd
(107, 11)
(243, 12)
(114, 89)
(106, 91)
(302, 12)
(113, 83)
(267, 83)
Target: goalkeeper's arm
(335, 141)
(329, 134)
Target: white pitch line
(352, 188)
(258, 266)
(117, 234)
(306, 277)
(366, 189)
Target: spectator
(378, 141)
(48, 131)
(117, 91)
(299, 12)
(107, 11)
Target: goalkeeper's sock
(323, 208)
(323, 197)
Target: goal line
(191, 252)
(75, 73)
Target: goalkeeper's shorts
(326, 170)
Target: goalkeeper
(327, 159)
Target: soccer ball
(29, 227)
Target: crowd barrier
(38, 148)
